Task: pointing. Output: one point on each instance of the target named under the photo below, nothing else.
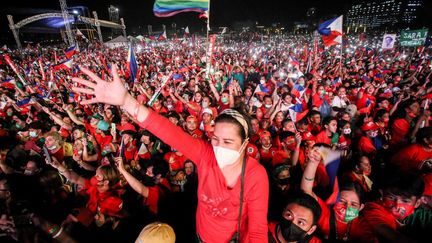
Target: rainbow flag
(167, 8)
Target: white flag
(187, 30)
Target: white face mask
(52, 147)
(204, 104)
(268, 106)
(33, 134)
(226, 156)
(262, 81)
(373, 134)
(347, 131)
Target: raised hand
(113, 93)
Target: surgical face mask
(373, 134)
(301, 83)
(347, 131)
(291, 232)
(224, 100)
(344, 213)
(322, 93)
(268, 106)
(169, 106)
(9, 113)
(284, 181)
(262, 81)
(29, 172)
(52, 147)
(225, 156)
(204, 104)
(33, 134)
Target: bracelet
(308, 179)
(58, 233)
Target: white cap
(208, 111)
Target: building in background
(382, 14)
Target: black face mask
(148, 181)
(291, 232)
(284, 181)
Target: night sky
(138, 13)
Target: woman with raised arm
(233, 188)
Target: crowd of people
(235, 153)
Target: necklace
(347, 231)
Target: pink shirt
(218, 205)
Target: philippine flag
(331, 31)
(331, 159)
(71, 51)
(132, 65)
(68, 64)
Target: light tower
(65, 15)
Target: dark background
(139, 13)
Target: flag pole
(208, 20)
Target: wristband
(58, 233)
(53, 229)
(308, 179)
(135, 114)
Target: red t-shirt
(156, 193)
(279, 157)
(400, 130)
(218, 205)
(373, 214)
(267, 155)
(175, 161)
(410, 158)
(106, 202)
(366, 145)
(323, 138)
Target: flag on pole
(187, 30)
(66, 65)
(132, 65)
(331, 159)
(210, 51)
(331, 31)
(261, 89)
(72, 50)
(293, 62)
(167, 8)
(14, 68)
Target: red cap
(127, 127)
(368, 126)
(307, 136)
(265, 134)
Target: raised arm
(308, 178)
(70, 175)
(158, 125)
(132, 181)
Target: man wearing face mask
(401, 195)
(299, 221)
